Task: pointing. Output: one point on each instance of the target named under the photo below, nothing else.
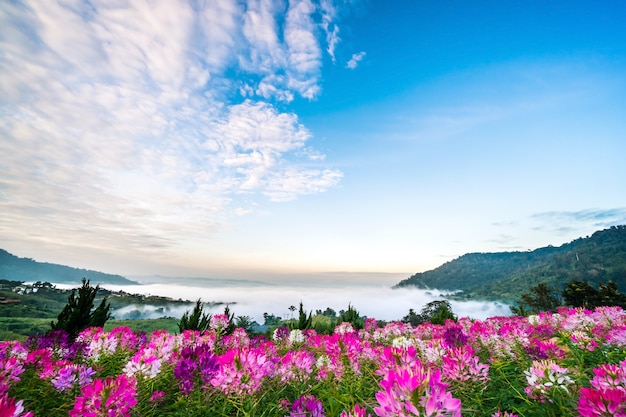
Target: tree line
(576, 293)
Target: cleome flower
(546, 377)
(110, 397)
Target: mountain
(505, 276)
(25, 269)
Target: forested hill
(504, 276)
(13, 268)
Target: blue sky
(283, 139)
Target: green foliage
(271, 320)
(540, 298)
(19, 328)
(77, 315)
(170, 324)
(244, 322)
(435, 312)
(582, 294)
(412, 318)
(324, 324)
(304, 321)
(351, 316)
(197, 320)
(231, 321)
(438, 312)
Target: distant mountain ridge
(505, 276)
(14, 268)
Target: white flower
(296, 336)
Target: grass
(19, 328)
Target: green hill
(25, 269)
(506, 275)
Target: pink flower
(242, 371)
(10, 408)
(460, 364)
(219, 322)
(296, 365)
(600, 403)
(356, 412)
(307, 406)
(546, 377)
(10, 370)
(609, 376)
(110, 397)
(344, 328)
(416, 391)
(156, 396)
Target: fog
(380, 302)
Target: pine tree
(77, 314)
(196, 321)
(304, 321)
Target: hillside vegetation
(25, 269)
(504, 276)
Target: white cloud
(354, 61)
(119, 124)
(331, 29)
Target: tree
(579, 294)
(304, 321)
(539, 298)
(271, 319)
(231, 322)
(412, 318)
(196, 320)
(77, 314)
(244, 322)
(351, 316)
(437, 312)
(608, 295)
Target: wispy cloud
(331, 29)
(563, 222)
(354, 61)
(123, 123)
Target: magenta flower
(417, 391)
(242, 371)
(609, 376)
(296, 365)
(601, 403)
(453, 336)
(110, 397)
(280, 334)
(307, 406)
(462, 365)
(356, 412)
(156, 396)
(607, 395)
(10, 408)
(10, 370)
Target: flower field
(571, 363)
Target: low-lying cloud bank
(380, 302)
